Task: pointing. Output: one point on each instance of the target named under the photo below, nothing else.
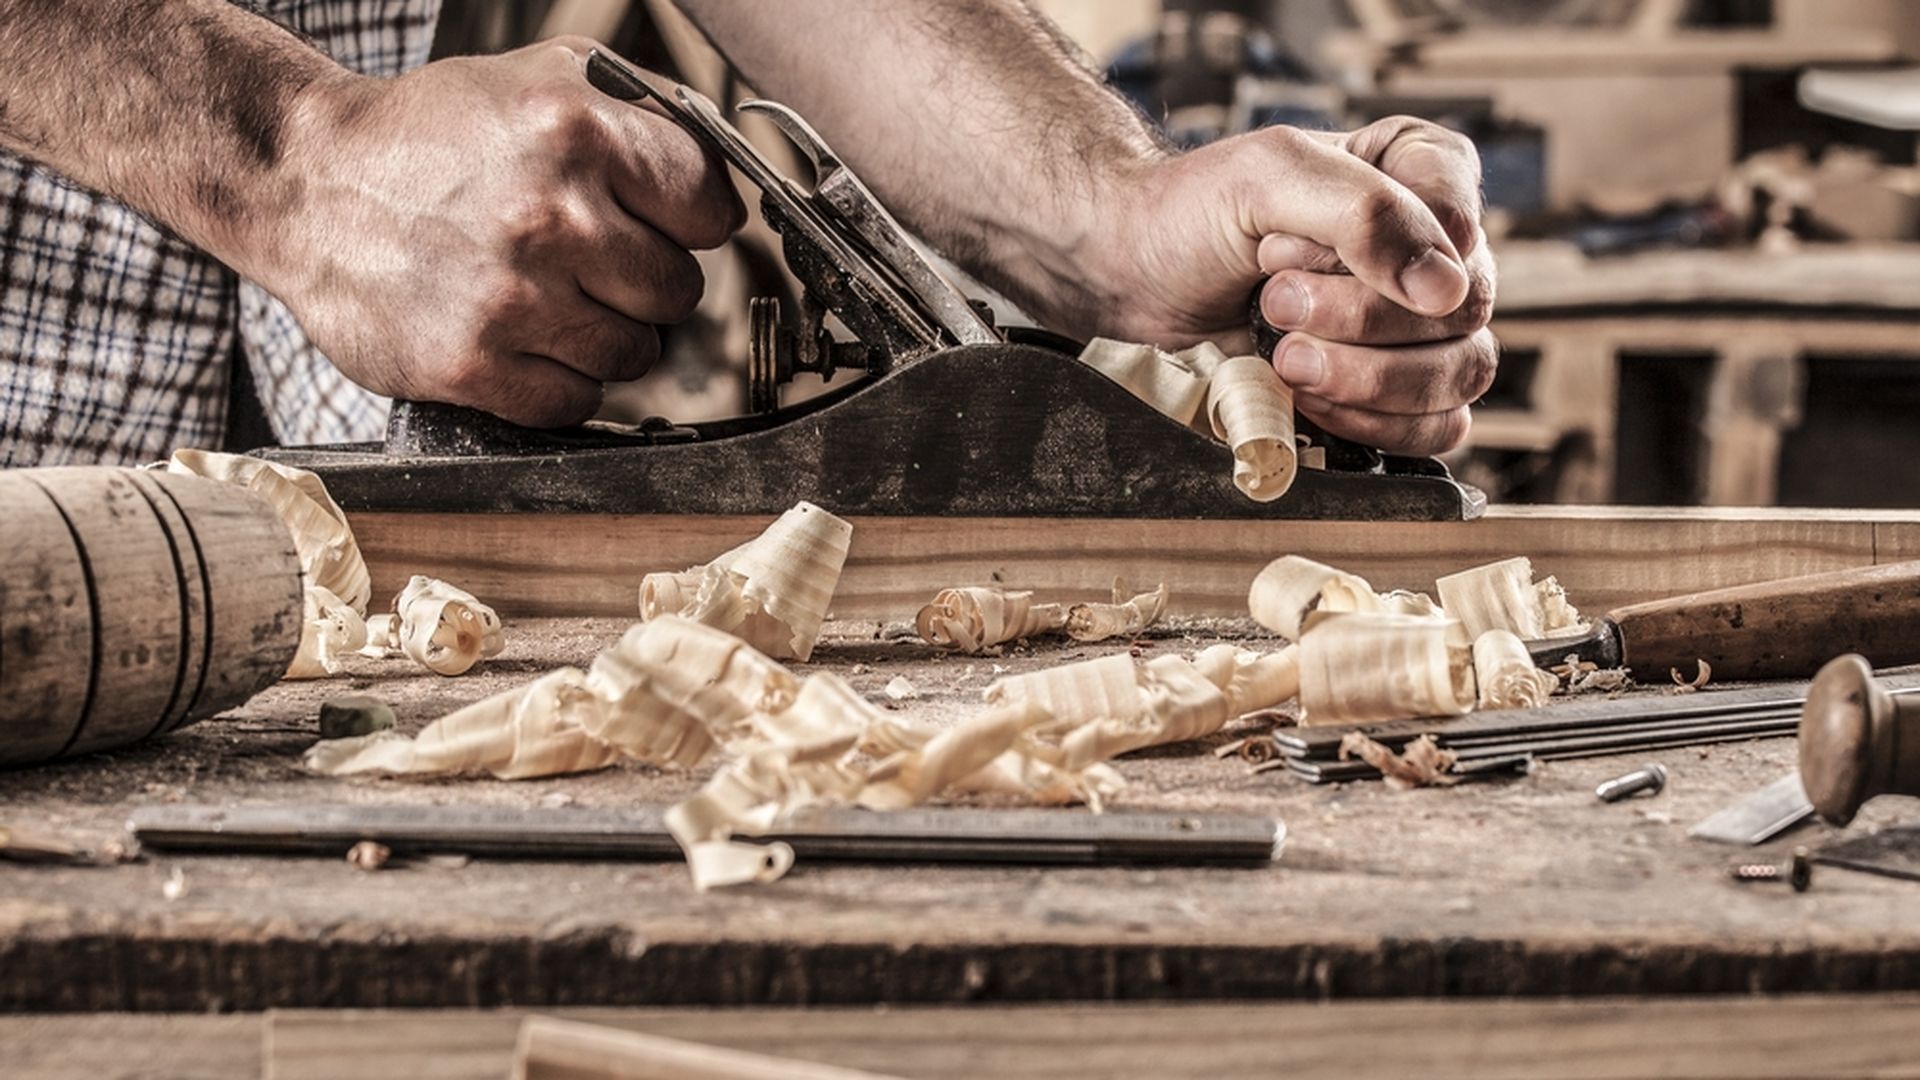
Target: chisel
(1780, 629)
(931, 835)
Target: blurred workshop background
(1706, 213)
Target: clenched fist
(494, 232)
(1365, 247)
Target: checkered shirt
(116, 337)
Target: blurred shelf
(1537, 276)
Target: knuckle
(1357, 375)
(563, 123)
(1479, 367)
(682, 288)
(1448, 430)
(1285, 140)
(1476, 311)
(1378, 215)
(468, 377)
(567, 47)
(506, 303)
(642, 351)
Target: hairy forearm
(180, 108)
(973, 119)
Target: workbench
(1523, 887)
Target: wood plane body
(1001, 430)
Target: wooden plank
(1702, 1039)
(89, 1046)
(576, 564)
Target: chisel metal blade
(1759, 816)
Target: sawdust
(1421, 764)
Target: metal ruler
(1037, 837)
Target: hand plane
(945, 413)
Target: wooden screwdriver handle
(1779, 629)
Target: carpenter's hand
(1373, 259)
(495, 232)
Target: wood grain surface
(1836, 1037)
(1521, 887)
(551, 564)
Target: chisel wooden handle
(1778, 629)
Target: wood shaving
(979, 619)
(1683, 685)
(528, 731)
(329, 556)
(1252, 412)
(1169, 382)
(1291, 588)
(1506, 674)
(368, 855)
(675, 693)
(444, 629)
(773, 591)
(383, 636)
(175, 887)
(1420, 764)
(1368, 667)
(1239, 400)
(1125, 616)
(1253, 681)
(1403, 602)
(899, 688)
(329, 629)
(807, 765)
(1582, 676)
(1112, 706)
(1504, 596)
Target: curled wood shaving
(1110, 706)
(383, 636)
(668, 693)
(1251, 410)
(1504, 596)
(329, 629)
(1701, 677)
(528, 731)
(1253, 681)
(1124, 617)
(1506, 673)
(812, 764)
(1239, 400)
(1420, 764)
(773, 591)
(678, 693)
(1169, 382)
(1291, 588)
(369, 855)
(979, 618)
(444, 629)
(1583, 676)
(329, 556)
(1252, 749)
(1403, 602)
(1367, 667)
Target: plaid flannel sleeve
(115, 336)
